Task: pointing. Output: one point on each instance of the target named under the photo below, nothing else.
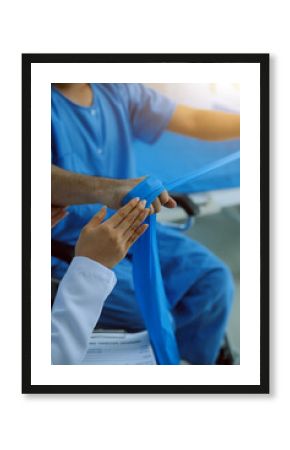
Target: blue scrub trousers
(199, 288)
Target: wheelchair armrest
(64, 252)
(191, 209)
(185, 202)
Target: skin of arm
(57, 214)
(74, 188)
(205, 124)
(70, 188)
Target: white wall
(207, 95)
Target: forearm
(205, 124)
(69, 188)
(216, 125)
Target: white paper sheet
(108, 348)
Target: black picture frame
(263, 61)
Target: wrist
(105, 190)
(92, 256)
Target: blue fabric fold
(148, 282)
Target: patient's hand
(57, 214)
(120, 188)
(109, 242)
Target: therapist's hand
(57, 214)
(109, 242)
(120, 188)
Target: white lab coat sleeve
(77, 308)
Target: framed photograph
(145, 223)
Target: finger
(171, 203)
(128, 221)
(98, 218)
(164, 197)
(58, 217)
(123, 212)
(157, 205)
(55, 210)
(133, 238)
(137, 222)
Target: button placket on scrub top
(99, 151)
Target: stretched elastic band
(202, 171)
(148, 282)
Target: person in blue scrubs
(90, 279)
(93, 131)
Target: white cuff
(88, 266)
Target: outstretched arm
(205, 124)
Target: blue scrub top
(98, 140)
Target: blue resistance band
(148, 282)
